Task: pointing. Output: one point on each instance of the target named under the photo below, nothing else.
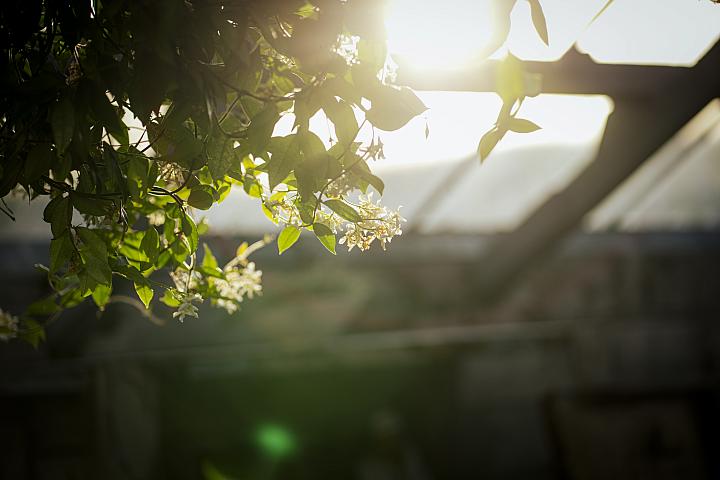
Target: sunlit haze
(432, 34)
(453, 33)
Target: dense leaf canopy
(129, 116)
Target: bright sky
(448, 34)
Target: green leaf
(62, 120)
(138, 170)
(169, 299)
(209, 260)
(150, 244)
(268, 213)
(307, 210)
(90, 206)
(144, 292)
(375, 181)
(178, 145)
(344, 210)
(361, 169)
(252, 187)
(33, 332)
(108, 115)
(58, 213)
(393, 107)
(261, 128)
(521, 125)
(221, 153)
(94, 256)
(101, 295)
(340, 87)
(538, 19)
(325, 235)
(44, 306)
(38, 162)
(190, 230)
(287, 238)
(61, 250)
(343, 118)
(311, 146)
(180, 249)
(141, 284)
(130, 272)
(200, 198)
(97, 268)
(488, 142)
(92, 241)
(307, 104)
(285, 153)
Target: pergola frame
(651, 104)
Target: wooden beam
(575, 73)
(638, 127)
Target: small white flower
(8, 325)
(186, 308)
(156, 218)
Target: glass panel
(667, 32)
(677, 188)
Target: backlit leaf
(538, 19)
(101, 295)
(261, 128)
(285, 155)
(287, 238)
(200, 198)
(150, 244)
(144, 292)
(344, 210)
(488, 142)
(521, 125)
(343, 118)
(394, 107)
(209, 260)
(190, 231)
(325, 235)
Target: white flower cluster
(156, 218)
(8, 325)
(341, 186)
(241, 280)
(286, 212)
(238, 284)
(183, 280)
(347, 48)
(187, 308)
(378, 223)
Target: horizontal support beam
(575, 73)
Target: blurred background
(550, 314)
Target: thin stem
(138, 306)
(68, 189)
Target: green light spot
(275, 441)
